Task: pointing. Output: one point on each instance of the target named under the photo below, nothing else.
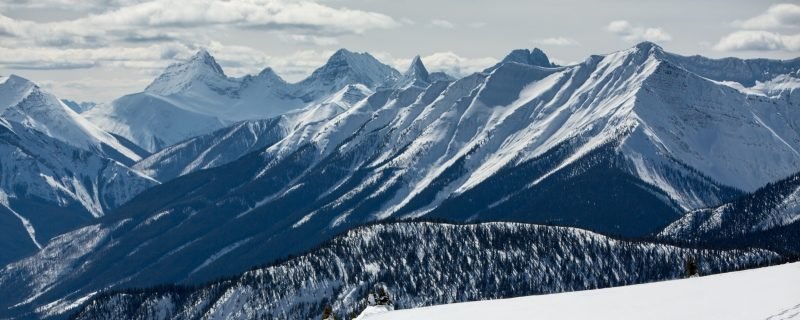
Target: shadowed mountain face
(621, 144)
(767, 218)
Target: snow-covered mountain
(420, 264)
(231, 143)
(195, 97)
(623, 143)
(23, 101)
(48, 187)
(57, 170)
(765, 293)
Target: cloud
(72, 5)
(301, 17)
(146, 57)
(556, 41)
(755, 35)
(408, 21)
(784, 15)
(630, 32)
(442, 24)
(321, 41)
(748, 40)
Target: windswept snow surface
(766, 293)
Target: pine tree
(690, 268)
(327, 314)
(382, 297)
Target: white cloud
(442, 24)
(748, 40)
(407, 21)
(556, 41)
(321, 41)
(783, 15)
(145, 57)
(73, 5)
(302, 17)
(630, 32)
(755, 36)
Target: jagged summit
(535, 57)
(266, 76)
(204, 58)
(417, 68)
(416, 75)
(200, 68)
(345, 67)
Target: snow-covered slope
(25, 102)
(766, 293)
(195, 97)
(419, 264)
(48, 187)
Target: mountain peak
(341, 54)
(417, 67)
(13, 89)
(416, 74)
(647, 46)
(269, 74)
(343, 68)
(535, 57)
(204, 58)
(201, 67)
(16, 80)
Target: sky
(99, 50)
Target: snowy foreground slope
(420, 264)
(767, 293)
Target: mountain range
(195, 97)
(203, 176)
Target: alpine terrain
(534, 178)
